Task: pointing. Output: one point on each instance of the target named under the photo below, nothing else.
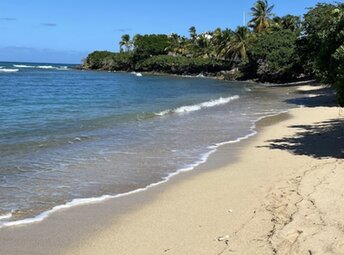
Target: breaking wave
(197, 107)
(6, 70)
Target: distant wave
(43, 67)
(197, 107)
(23, 66)
(6, 70)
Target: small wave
(43, 67)
(84, 201)
(23, 66)
(196, 107)
(5, 216)
(46, 67)
(137, 74)
(5, 70)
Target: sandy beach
(283, 194)
(282, 197)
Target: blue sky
(64, 31)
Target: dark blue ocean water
(67, 134)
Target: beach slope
(284, 195)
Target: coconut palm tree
(126, 42)
(221, 38)
(261, 13)
(236, 47)
(204, 45)
(177, 45)
(290, 22)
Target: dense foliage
(105, 60)
(182, 65)
(150, 45)
(275, 57)
(322, 46)
(269, 49)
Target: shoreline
(112, 214)
(115, 207)
(76, 202)
(214, 77)
(253, 131)
(259, 204)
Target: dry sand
(311, 87)
(283, 195)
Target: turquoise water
(68, 134)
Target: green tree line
(269, 49)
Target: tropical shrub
(324, 34)
(321, 47)
(150, 45)
(275, 57)
(339, 82)
(105, 60)
(95, 59)
(182, 65)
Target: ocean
(69, 137)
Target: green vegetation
(275, 57)
(261, 16)
(181, 65)
(146, 46)
(105, 60)
(269, 49)
(125, 42)
(322, 45)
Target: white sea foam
(84, 201)
(5, 216)
(46, 67)
(196, 107)
(62, 68)
(43, 67)
(23, 66)
(137, 74)
(6, 70)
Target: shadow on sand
(320, 97)
(326, 139)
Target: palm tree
(126, 42)
(182, 47)
(236, 47)
(261, 13)
(177, 45)
(204, 45)
(193, 33)
(220, 41)
(290, 22)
